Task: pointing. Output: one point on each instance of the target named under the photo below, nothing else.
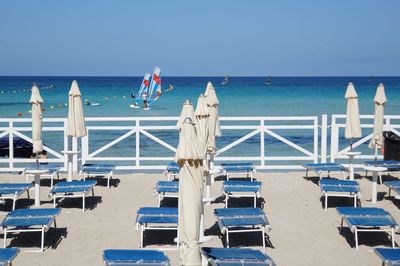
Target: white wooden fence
(135, 143)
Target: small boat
(226, 80)
(269, 81)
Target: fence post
(316, 139)
(324, 137)
(334, 138)
(262, 142)
(11, 144)
(85, 147)
(137, 143)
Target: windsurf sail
(149, 91)
(155, 86)
(226, 80)
(143, 90)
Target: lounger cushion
(364, 211)
(73, 186)
(335, 185)
(330, 167)
(391, 165)
(157, 215)
(241, 186)
(167, 187)
(236, 217)
(389, 255)
(51, 167)
(30, 217)
(238, 167)
(237, 256)
(173, 167)
(13, 188)
(97, 168)
(7, 255)
(134, 257)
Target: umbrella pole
(37, 160)
(376, 154)
(351, 144)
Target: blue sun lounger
(29, 220)
(238, 189)
(339, 188)
(172, 170)
(73, 189)
(135, 257)
(53, 171)
(236, 257)
(395, 186)
(389, 256)
(13, 191)
(239, 169)
(150, 218)
(239, 220)
(325, 169)
(367, 220)
(90, 169)
(392, 166)
(167, 189)
(7, 255)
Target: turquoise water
(243, 96)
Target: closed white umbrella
(202, 115)
(187, 111)
(76, 122)
(377, 137)
(214, 129)
(190, 159)
(353, 127)
(36, 102)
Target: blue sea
(242, 96)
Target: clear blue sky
(200, 38)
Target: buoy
(29, 111)
(19, 114)
(66, 104)
(86, 100)
(51, 106)
(15, 91)
(105, 98)
(60, 106)
(124, 97)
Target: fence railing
(138, 143)
(338, 124)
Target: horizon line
(210, 76)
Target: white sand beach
(302, 232)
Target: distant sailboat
(269, 81)
(226, 80)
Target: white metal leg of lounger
(356, 230)
(326, 195)
(254, 196)
(42, 230)
(143, 228)
(83, 195)
(262, 230)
